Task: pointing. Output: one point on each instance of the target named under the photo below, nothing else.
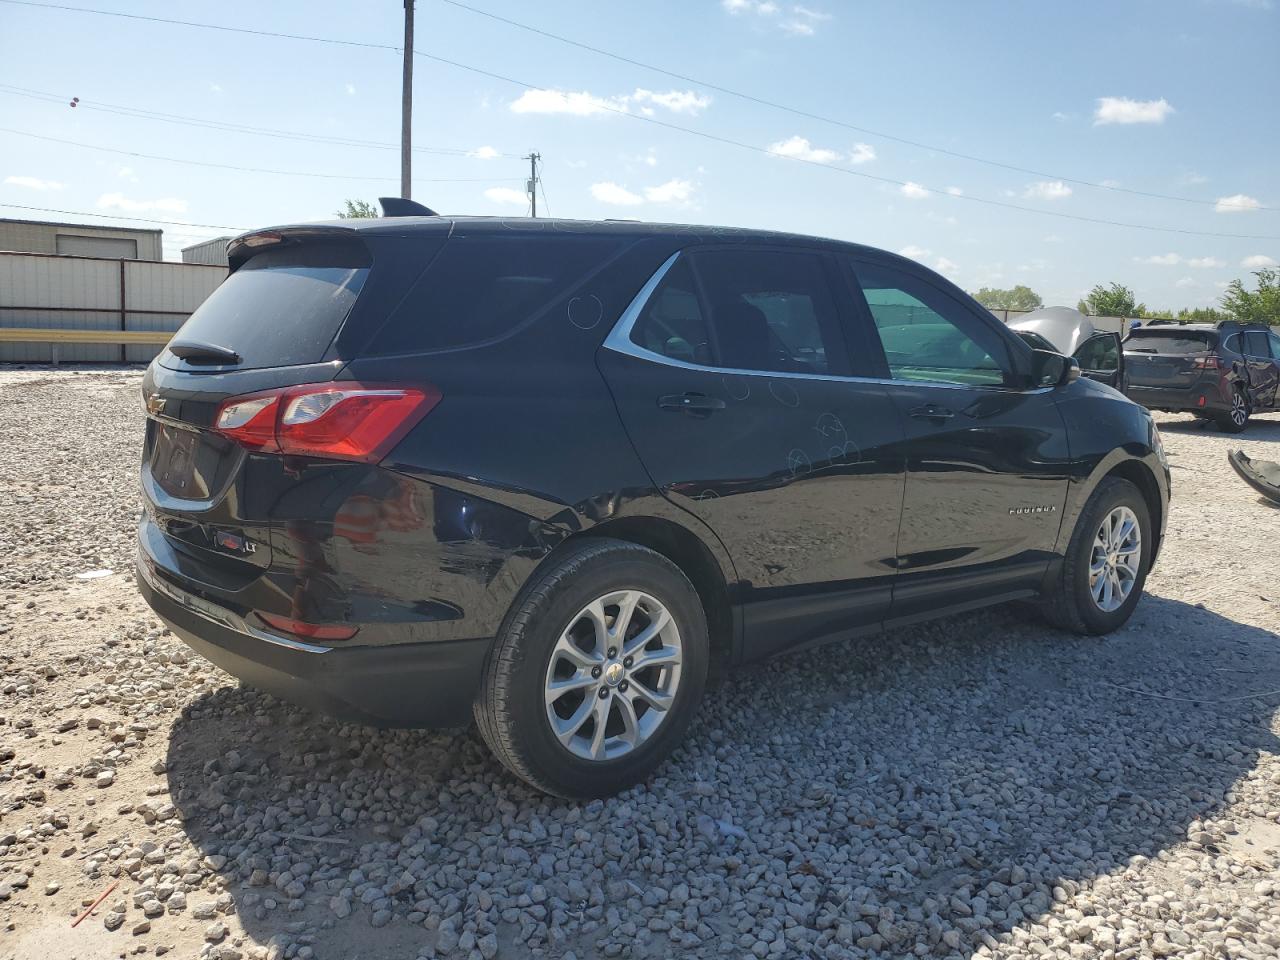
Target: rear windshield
(479, 289)
(1169, 343)
(284, 306)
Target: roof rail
(400, 207)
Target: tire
(1069, 602)
(1235, 420)
(513, 709)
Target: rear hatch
(296, 307)
(1169, 358)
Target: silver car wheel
(613, 675)
(1239, 409)
(1116, 559)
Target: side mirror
(1049, 369)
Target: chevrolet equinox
(411, 470)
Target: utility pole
(406, 107)
(533, 159)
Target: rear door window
(480, 289)
(1255, 344)
(1170, 344)
(282, 307)
(1099, 353)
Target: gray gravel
(978, 787)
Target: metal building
(80, 240)
(210, 251)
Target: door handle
(931, 411)
(693, 404)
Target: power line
(228, 166)
(972, 198)
(109, 216)
(139, 113)
(761, 101)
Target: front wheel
(597, 671)
(1236, 419)
(1106, 563)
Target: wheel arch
(1142, 476)
(695, 560)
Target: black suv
(1222, 372)
(549, 473)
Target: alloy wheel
(1116, 559)
(1239, 409)
(613, 676)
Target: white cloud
(579, 104)
(1186, 282)
(797, 28)
(1161, 259)
(764, 8)
(913, 191)
(351, 89)
(1236, 203)
(955, 191)
(673, 191)
(33, 183)
(914, 252)
(943, 265)
(1059, 116)
(677, 101)
(809, 13)
(215, 88)
(118, 201)
(1191, 178)
(583, 104)
(611, 193)
(800, 149)
(482, 153)
(1206, 262)
(1047, 190)
(1125, 110)
(507, 195)
(1051, 238)
(1110, 183)
(862, 153)
(127, 173)
(1257, 262)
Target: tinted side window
(771, 311)
(478, 289)
(672, 323)
(1099, 353)
(928, 336)
(1255, 344)
(1275, 345)
(1233, 344)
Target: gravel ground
(978, 787)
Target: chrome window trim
(619, 341)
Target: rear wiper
(195, 351)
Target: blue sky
(1173, 97)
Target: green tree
(1113, 301)
(1019, 298)
(1201, 315)
(359, 210)
(1255, 306)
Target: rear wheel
(597, 671)
(1106, 564)
(1236, 419)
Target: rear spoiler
(246, 245)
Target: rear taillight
(311, 631)
(1206, 363)
(336, 421)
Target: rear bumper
(1203, 397)
(429, 684)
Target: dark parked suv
(1222, 372)
(547, 473)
